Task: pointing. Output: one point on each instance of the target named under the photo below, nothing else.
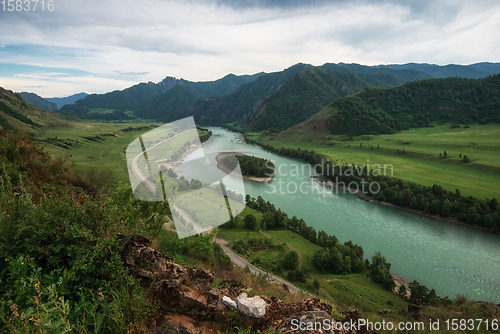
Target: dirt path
(240, 262)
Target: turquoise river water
(450, 258)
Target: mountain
(61, 101)
(173, 99)
(131, 98)
(414, 104)
(16, 113)
(231, 108)
(473, 71)
(39, 101)
(307, 92)
(220, 87)
(282, 99)
(263, 100)
(401, 75)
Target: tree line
(427, 199)
(334, 258)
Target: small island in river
(252, 168)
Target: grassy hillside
(414, 154)
(163, 105)
(93, 145)
(16, 113)
(267, 249)
(307, 92)
(412, 105)
(39, 101)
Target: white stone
(253, 307)
(229, 303)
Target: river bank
(364, 197)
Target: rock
(253, 307)
(145, 260)
(189, 304)
(229, 303)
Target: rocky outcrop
(254, 307)
(189, 304)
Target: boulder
(229, 303)
(253, 307)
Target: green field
(420, 162)
(361, 293)
(80, 146)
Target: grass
(86, 154)
(421, 162)
(357, 291)
(295, 242)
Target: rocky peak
(168, 83)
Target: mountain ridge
(61, 101)
(262, 100)
(415, 104)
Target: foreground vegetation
(61, 247)
(61, 243)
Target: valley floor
(416, 155)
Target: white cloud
(202, 40)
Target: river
(451, 259)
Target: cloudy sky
(99, 46)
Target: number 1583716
(26, 5)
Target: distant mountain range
(261, 101)
(264, 100)
(53, 103)
(130, 99)
(61, 101)
(333, 99)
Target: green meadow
(92, 144)
(415, 154)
